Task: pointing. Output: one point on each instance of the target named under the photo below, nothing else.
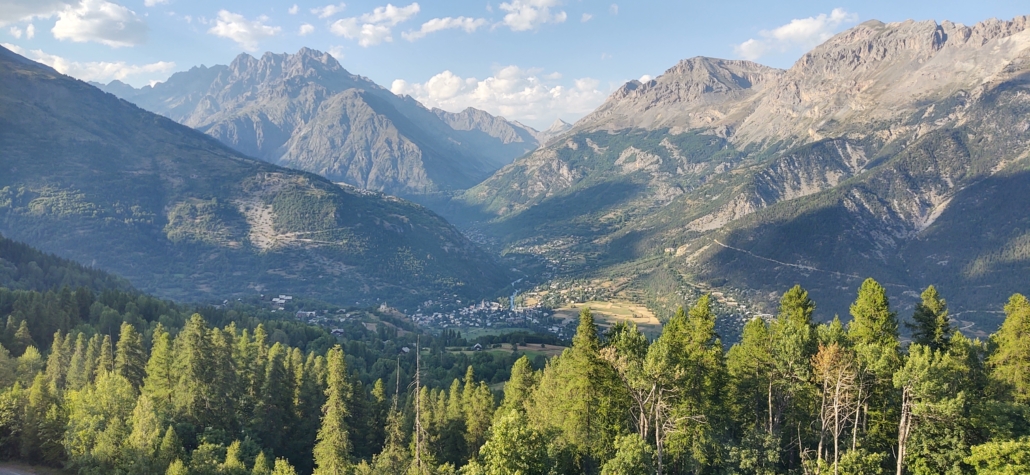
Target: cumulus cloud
(336, 51)
(512, 92)
(16, 32)
(526, 15)
(646, 78)
(438, 24)
(12, 11)
(151, 3)
(244, 32)
(30, 31)
(586, 17)
(328, 10)
(375, 27)
(100, 71)
(102, 22)
(306, 29)
(800, 32)
(293, 10)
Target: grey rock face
(306, 111)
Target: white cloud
(438, 24)
(586, 17)
(646, 78)
(614, 9)
(30, 31)
(244, 32)
(526, 15)
(306, 29)
(376, 27)
(328, 10)
(512, 92)
(12, 11)
(16, 32)
(101, 71)
(293, 10)
(336, 52)
(800, 32)
(152, 3)
(100, 21)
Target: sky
(534, 61)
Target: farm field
(607, 314)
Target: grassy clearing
(532, 350)
(609, 313)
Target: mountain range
(896, 151)
(93, 178)
(305, 111)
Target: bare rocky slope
(305, 111)
(93, 178)
(892, 150)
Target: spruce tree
(332, 450)
(89, 367)
(22, 339)
(77, 377)
(275, 403)
(105, 361)
(160, 380)
(520, 385)
(57, 362)
(131, 358)
(930, 325)
(1009, 363)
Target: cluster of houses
(486, 315)
(279, 303)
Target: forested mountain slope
(93, 178)
(891, 150)
(305, 111)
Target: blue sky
(529, 60)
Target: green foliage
(1010, 457)
(931, 326)
(632, 457)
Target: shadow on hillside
(977, 253)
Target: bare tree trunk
(904, 427)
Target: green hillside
(93, 178)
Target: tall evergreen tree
(131, 359)
(332, 451)
(105, 361)
(930, 325)
(76, 377)
(159, 383)
(1009, 363)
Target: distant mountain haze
(305, 111)
(895, 151)
(93, 178)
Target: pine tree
(105, 361)
(131, 358)
(520, 385)
(144, 442)
(282, 467)
(332, 451)
(177, 468)
(874, 332)
(1009, 363)
(930, 325)
(77, 377)
(275, 402)
(22, 339)
(170, 448)
(89, 367)
(261, 465)
(57, 362)
(194, 370)
(233, 465)
(159, 383)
